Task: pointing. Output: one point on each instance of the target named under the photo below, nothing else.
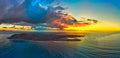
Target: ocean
(93, 45)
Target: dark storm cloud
(23, 10)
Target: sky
(102, 10)
(107, 11)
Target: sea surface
(93, 45)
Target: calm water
(93, 45)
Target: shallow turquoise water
(93, 45)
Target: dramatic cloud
(23, 10)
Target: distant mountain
(23, 23)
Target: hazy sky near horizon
(102, 10)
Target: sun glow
(96, 27)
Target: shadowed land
(45, 37)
